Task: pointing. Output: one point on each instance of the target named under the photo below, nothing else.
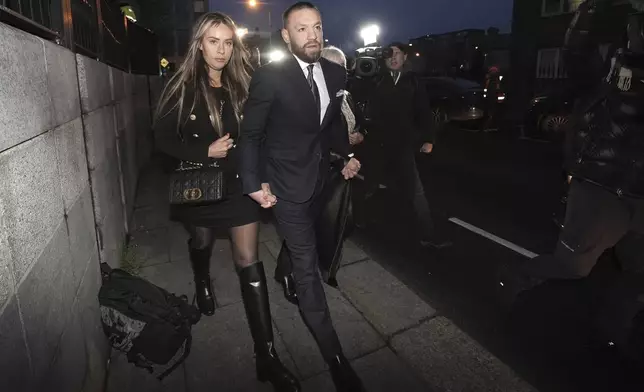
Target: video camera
(369, 60)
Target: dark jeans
(371, 155)
(404, 178)
(372, 172)
(296, 225)
(596, 220)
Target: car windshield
(466, 84)
(451, 84)
(461, 84)
(554, 93)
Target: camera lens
(366, 66)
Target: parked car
(458, 100)
(548, 114)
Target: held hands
(219, 149)
(427, 148)
(351, 169)
(356, 138)
(264, 197)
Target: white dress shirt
(318, 76)
(395, 77)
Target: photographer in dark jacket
(605, 155)
(401, 126)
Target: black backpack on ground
(149, 324)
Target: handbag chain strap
(188, 165)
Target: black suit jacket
(282, 141)
(195, 134)
(399, 113)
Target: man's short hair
(403, 48)
(300, 5)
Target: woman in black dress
(197, 121)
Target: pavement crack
(364, 259)
(417, 324)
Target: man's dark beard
(301, 54)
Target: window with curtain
(550, 64)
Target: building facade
(173, 20)
(465, 53)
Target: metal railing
(94, 28)
(114, 31)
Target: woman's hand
(219, 149)
(356, 138)
(427, 148)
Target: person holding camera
(400, 126)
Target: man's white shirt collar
(305, 66)
(394, 77)
(320, 81)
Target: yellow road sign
(164, 63)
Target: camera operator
(606, 199)
(400, 126)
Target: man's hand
(356, 138)
(427, 148)
(219, 149)
(264, 197)
(351, 169)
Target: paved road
(508, 188)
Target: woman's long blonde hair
(192, 76)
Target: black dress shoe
(288, 284)
(344, 377)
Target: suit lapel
(331, 90)
(295, 76)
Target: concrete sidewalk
(396, 341)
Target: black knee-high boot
(200, 260)
(255, 296)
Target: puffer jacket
(608, 141)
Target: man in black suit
(291, 123)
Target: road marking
(492, 237)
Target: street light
(241, 32)
(255, 4)
(370, 34)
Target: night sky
(398, 19)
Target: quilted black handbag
(196, 183)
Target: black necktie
(395, 75)
(314, 88)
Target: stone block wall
(74, 134)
